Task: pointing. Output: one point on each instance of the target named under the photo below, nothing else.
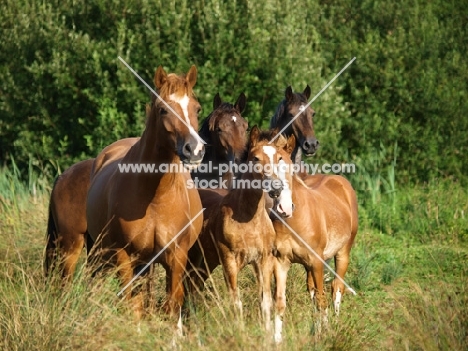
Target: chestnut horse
(67, 226)
(237, 230)
(326, 222)
(302, 127)
(134, 216)
(224, 131)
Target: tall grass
(433, 211)
(411, 292)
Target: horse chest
(248, 238)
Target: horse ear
(288, 93)
(217, 101)
(306, 92)
(254, 135)
(192, 76)
(160, 77)
(240, 103)
(290, 144)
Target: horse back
(68, 198)
(112, 152)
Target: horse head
(294, 104)
(177, 114)
(272, 162)
(225, 129)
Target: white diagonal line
(311, 101)
(159, 253)
(160, 98)
(313, 251)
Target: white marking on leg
(266, 310)
(337, 302)
(312, 294)
(179, 324)
(238, 304)
(278, 329)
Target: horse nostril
(306, 145)
(187, 149)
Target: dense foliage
(64, 94)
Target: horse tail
(51, 240)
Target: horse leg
(320, 298)
(281, 268)
(197, 274)
(71, 246)
(310, 285)
(125, 269)
(175, 284)
(231, 270)
(264, 272)
(338, 287)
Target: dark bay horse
(224, 131)
(326, 222)
(237, 230)
(302, 127)
(132, 216)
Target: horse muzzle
(192, 152)
(310, 146)
(284, 207)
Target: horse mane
(204, 131)
(266, 135)
(175, 84)
(278, 113)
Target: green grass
(408, 266)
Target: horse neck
(153, 146)
(303, 198)
(277, 116)
(248, 201)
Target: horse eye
(313, 114)
(162, 111)
(198, 110)
(256, 159)
(280, 159)
(218, 130)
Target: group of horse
(128, 219)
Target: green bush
(65, 95)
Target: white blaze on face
(302, 108)
(234, 119)
(184, 102)
(285, 203)
(270, 151)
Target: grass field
(409, 267)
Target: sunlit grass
(411, 292)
